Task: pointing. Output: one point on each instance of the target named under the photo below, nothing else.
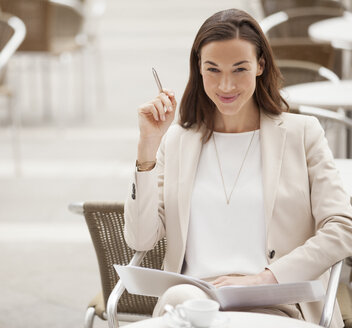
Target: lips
(228, 99)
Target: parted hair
(196, 108)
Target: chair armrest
(117, 292)
(330, 297)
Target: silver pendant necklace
(228, 198)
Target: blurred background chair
(304, 49)
(55, 33)
(293, 23)
(272, 6)
(332, 123)
(298, 71)
(105, 222)
(12, 34)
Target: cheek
(208, 82)
(249, 83)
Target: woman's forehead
(228, 50)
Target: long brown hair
(196, 108)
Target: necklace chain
(228, 198)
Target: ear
(261, 66)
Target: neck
(244, 121)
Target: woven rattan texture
(105, 223)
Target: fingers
(218, 280)
(171, 96)
(149, 108)
(162, 105)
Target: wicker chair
(12, 34)
(105, 223)
(272, 6)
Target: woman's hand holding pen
(155, 117)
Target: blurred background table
(324, 94)
(337, 31)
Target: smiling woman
(236, 185)
(232, 46)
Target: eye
(212, 69)
(240, 69)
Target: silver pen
(158, 83)
(156, 77)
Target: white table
(337, 31)
(239, 320)
(325, 94)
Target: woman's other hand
(264, 278)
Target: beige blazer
(308, 214)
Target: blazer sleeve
(144, 207)
(331, 211)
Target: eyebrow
(235, 64)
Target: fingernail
(170, 109)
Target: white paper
(151, 282)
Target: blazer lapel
(190, 148)
(272, 136)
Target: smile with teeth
(228, 99)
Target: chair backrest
(273, 6)
(45, 20)
(296, 71)
(105, 223)
(304, 49)
(295, 22)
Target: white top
(227, 238)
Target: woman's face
(229, 70)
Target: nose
(227, 83)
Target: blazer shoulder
(298, 118)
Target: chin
(228, 110)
